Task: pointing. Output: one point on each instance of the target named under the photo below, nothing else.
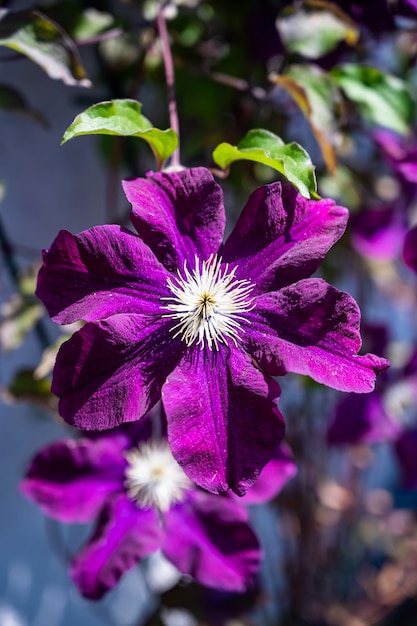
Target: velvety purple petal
(378, 234)
(361, 419)
(71, 479)
(272, 479)
(178, 214)
(210, 539)
(312, 328)
(112, 371)
(281, 237)
(406, 449)
(410, 249)
(223, 423)
(123, 536)
(100, 272)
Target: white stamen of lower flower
(208, 303)
(153, 477)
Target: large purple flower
(174, 311)
(144, 502)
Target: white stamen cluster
(153, 477)
(208, 303)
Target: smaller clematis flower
(144, 502)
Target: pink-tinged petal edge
(178, 215)
(311, 328)
(100, 272)
(223, 422)
(210, 539)
(281, 237)
(124, 534)
(71, 480)
(273, 478)
(112, 371)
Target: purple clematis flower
(174, 311)
(143, 502)
(410, 249)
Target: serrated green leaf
(40, 39)
(123, 118)
(383, 99)
(315, 29)
(262, 146)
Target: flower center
(153, 477)
(208, 303)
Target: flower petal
(112, 371)
(272, 479)
(123, 536)
(312, 328)
(361, 419)
(100, 272)
(211, 540)
(179, 215)
(71, 480)
(410, 249)
(281, 237)
(223, 423)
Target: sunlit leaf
(315, 28)
(382, 99)
(18, 317)
(13, 100)
(90, 23)
(123, 117)
(40, 39)
(317, 96)
(262, 146)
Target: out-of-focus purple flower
(143, 502)
(382, 415)
(176, 312)
(378, 233)
(410, 249)
(361, 419)
(406, 450)
(402, 157)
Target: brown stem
(169, 73)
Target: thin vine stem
(169, 73)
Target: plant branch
(169, 73)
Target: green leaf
(19, 316)
(123, 118)
(262, 146)
(90, 23)
(315, 28)
(383, 99)
(318, 96)
(40, 39)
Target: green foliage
(40, 39)
(262, 146)
(383, 99)
(123, 118)
(314, 29)
(316, 94)
(19, 316)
